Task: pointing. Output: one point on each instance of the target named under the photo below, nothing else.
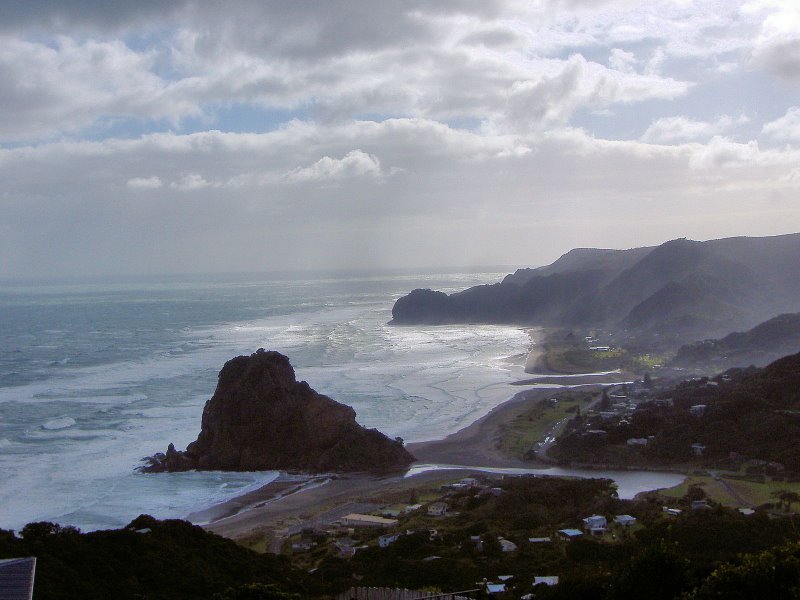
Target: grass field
(517, 437)
(733, 492)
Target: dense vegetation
(174, 560)
(751, 414)
(661, 557)
(698, 553)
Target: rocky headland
(261, 418)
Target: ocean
(95, 376)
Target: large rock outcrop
(261, 418)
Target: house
(625, 520)
(698, 449)
(437, 509)
(345, 547)
(569, 534)
(302, 546)
(637, 442)
(595, 525)
(747, 511)
(358, 520)
(411, 508)
(698, 410)
(700, 505)
(495, 588)
(16, 578)
(674, 512)
(387, 540)
(506, 545)
(505, 577)
(545, 580)
(539, 540)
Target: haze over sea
(95, 376)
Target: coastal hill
(679, 289)
(759, 346)
(742, 415)
(261, 418)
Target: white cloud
(668, 130)
(145, 183)
(190, 182)
(777, 46)
(622, 61)
(353, 164)
(785, 128)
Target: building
(545, 580)
(506, 545)
(698, 449)
(437, 509)
(569, 534)
(387, 540)
(595, 525)
(625, 520)
(357, 520)
(539, 540)
(674, 512)
(16, 578)
(637, 442)
(698, 410)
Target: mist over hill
(759, 346)
(677, 291)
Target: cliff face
(261, 418)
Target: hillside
(744, 416)
(678, 290)
(758, 346)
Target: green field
(517, 437)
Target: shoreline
(293, 501)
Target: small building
(698, 449)
(358, 520)
(595, 525)
(747, 511)
(469, 481)
(302, 546)
(16, 578)
(637, 442)
(539, 540)
(673, 512)
(437, 509)
(387, 540)
(345, 547)
(625, 520)
(698, 410)
(700, 505)
(545, 580)
(569, 534)
(495, 588)
(507, 545)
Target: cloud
(190, 182)
(777, 46)
(785, 128)
(668, 130)
(353, 164)
(145, 183)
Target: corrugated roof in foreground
(16, 578)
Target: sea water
(95, 376)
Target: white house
(545, 580)
(506, 545)
(595, 525)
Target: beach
(291, 503)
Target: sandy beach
(292, 502)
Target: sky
(189, 137)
